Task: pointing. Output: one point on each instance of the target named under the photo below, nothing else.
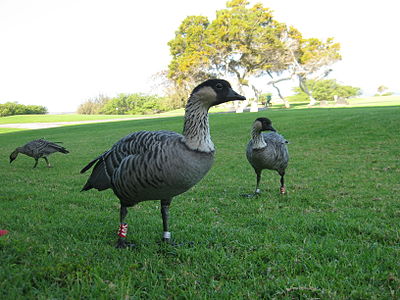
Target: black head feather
(266, 124)
(222, 89)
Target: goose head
(215, 91)
(263, 124)
(14, 155)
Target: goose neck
(257, 138)
(196, 129)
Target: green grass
(19, 119)
(334, 236)
(58, 118)
(77, 117)
(353, 102)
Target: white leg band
(257, 191)
(167, 235)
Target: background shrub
(124, 104)
(14, 108)
(93, 106)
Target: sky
(59, 53)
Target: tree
(188, 50)
(304, 58)
(93, 106)
(326, 90)
(239, 42)
(382, 91)
(133, 104)
(245, 42)
(14, 108)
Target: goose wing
(276, 152)
(40, 147)
(274, 137)
(50, 147)
(137, 144)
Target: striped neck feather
(196, 129)
(257, 138)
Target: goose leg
(47, 162)
(123, 229)
(283, 188)
(257, 191)
(165, 215)
(36, 162)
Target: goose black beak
(232, 95)
(271, 128)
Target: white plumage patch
(207, 95)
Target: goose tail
(99, 178)
(89, 165)
(57, 147)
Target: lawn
(353, 102)
(78, 118)
(58, 118)
(335, 235)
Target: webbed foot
(255, 194)
(124, 244)
(170, 242)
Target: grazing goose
(267, 151)
(38, 149)
(158, 165)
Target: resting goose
(38, 149)
(158, 165)
(267, 151)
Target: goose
(159, 165)
(267, 151)
(38, 149)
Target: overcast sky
(59, 53)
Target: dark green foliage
(384, 94)
(334, 236)
(14, 108)
(300, 96)
(124, 104)
(133, 104)
(325, 90)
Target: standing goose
(267, 151)
(158, 165)
(38, 149)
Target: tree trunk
(285, 102)
(304, 88)
(273, 83)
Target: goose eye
(218, 86)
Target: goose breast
(273, 156)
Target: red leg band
(123, 230)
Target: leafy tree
(188, 50)
(245, 42)
(305, 58)
(133, 104)
(239, 42)
(14, 108)
(325, 90)
(93, 106)
(381, 91)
